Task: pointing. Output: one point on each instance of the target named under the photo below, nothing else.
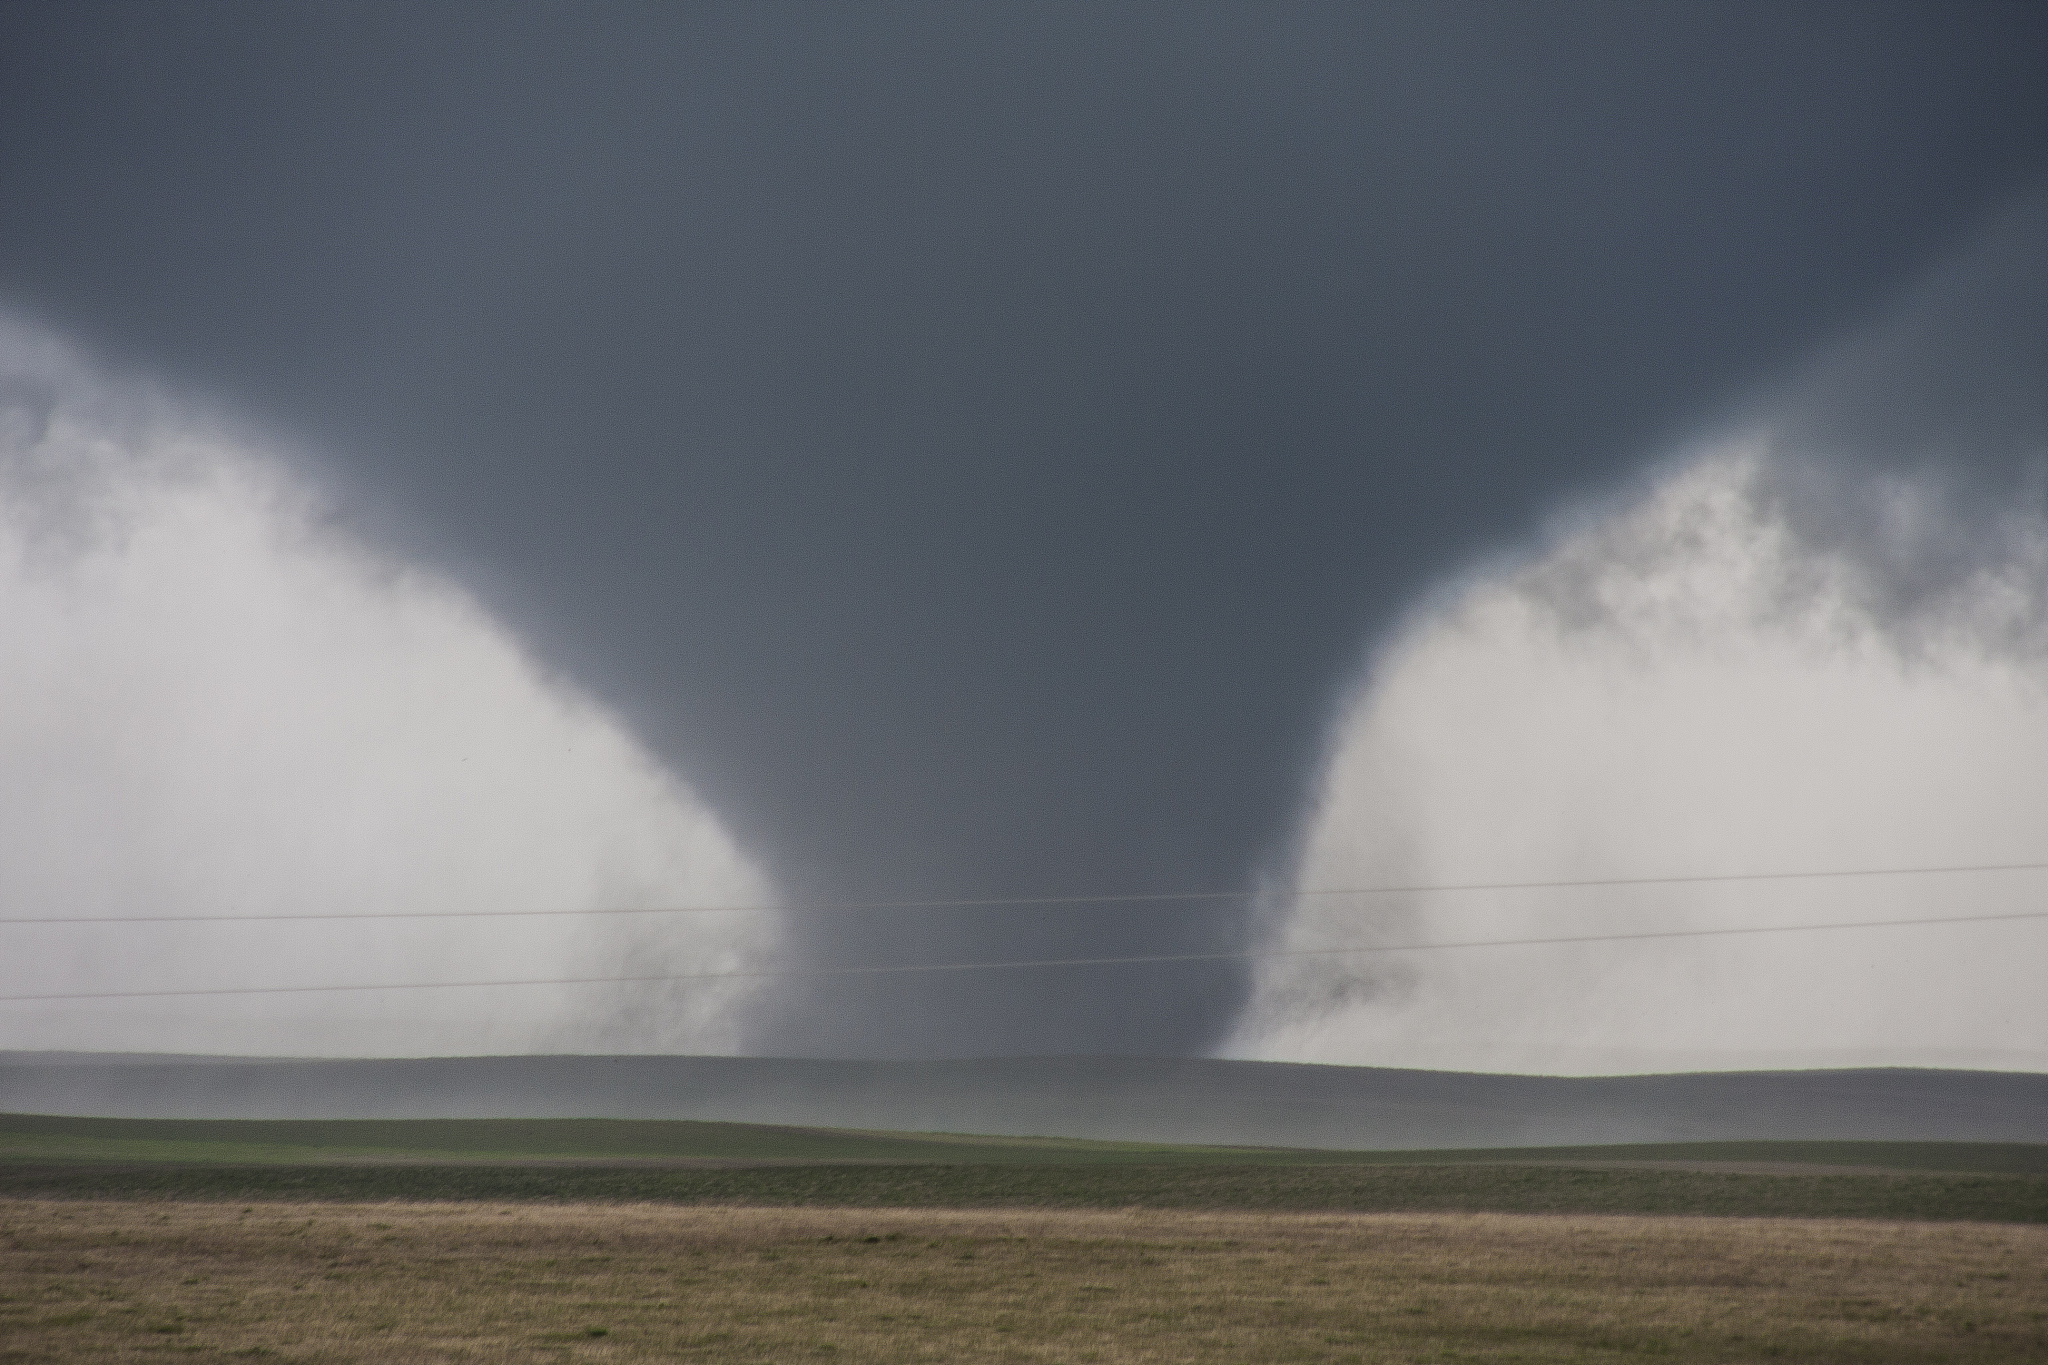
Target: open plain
(395, 1282)
(565, 1239)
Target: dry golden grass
(461, 1282)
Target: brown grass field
(111, 1281)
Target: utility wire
(1026, 902)
(1039, 962)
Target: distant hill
(1134, 1099)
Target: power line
(1039, 962)
(1026, 902)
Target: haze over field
(796, 457)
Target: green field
(568, 1160)
(1447, 1187)
(48, 1140)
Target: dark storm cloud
(974, 442)
(1947, 390)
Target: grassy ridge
(44, 1140)
(1451, 1187)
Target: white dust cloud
(1770, 657)
(212, 701)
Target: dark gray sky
(975, 443)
